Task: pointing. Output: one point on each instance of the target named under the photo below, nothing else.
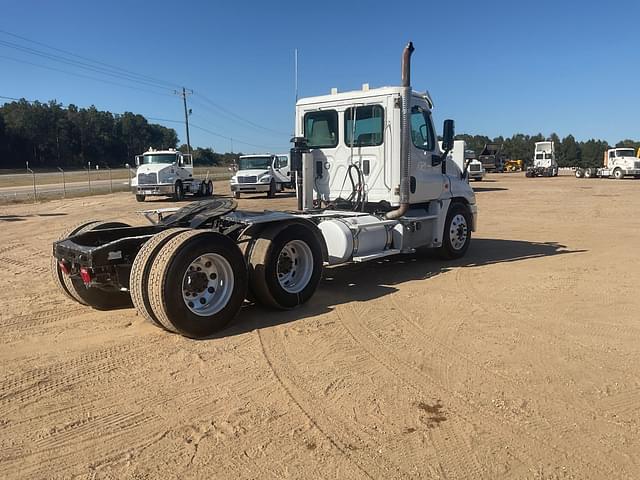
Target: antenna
(295, 87)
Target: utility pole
(184, 94)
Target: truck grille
(252, 179)
(147, 178)
(637, 165)
(474, 168)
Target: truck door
(428, 178)
(281, 169)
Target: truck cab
(167, 173)
(355, 163)
(261, 173)
(621, 162)
(544, 161)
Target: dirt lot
(520, 361)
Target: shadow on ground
(19, 218)
(372, 280)
(488, 189)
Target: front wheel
(209, 188)
(618, 174)
(457, 232)
(272, 190)
(285, 266)
(140, 198)
(236, 194)
(178, 192)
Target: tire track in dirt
(32, 386)
(453, 364)
(335, 432)
(37, 319)
(532, 330)
(460, 461)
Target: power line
(236, 116)
(47, 67)
(114, 67)
(77, 64)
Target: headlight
(265, 179)
(234, 179)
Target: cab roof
(365, 93)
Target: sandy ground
(519, 361)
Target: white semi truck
(261, 173)
(167, 173)
(544, 161)
(371, 181)
(618, 163)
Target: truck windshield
(250, 163)
(627, 152)
(164, 158)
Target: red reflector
(85, 274)
(65, 267)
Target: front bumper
(153, 190)
(474, 216)
(249, 187)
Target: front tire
(285, 266)
(236, 195)
(272, 190)
(457, 232)
(197, 283)
(618, 174)
(140, 198)
(178, 192)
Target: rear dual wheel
(285, 265)
(197, 283)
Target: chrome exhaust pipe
(405, 132)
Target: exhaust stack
(405, 132)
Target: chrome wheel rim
(458, 231)
(207, 284)
(294, 266)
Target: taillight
(85, 274)
(65, 267)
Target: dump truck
(618, 163)
(167, 173)
(544, 161)
(371, 182)
(492, 157)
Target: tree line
(569, 151)
(48, 135)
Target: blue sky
(496, 67)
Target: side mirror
(137, 161)
(448, 132)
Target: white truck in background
(475, 170)
(460, 156)
(544, 161)
(261, 173)
(167, 173)
(618, 163)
